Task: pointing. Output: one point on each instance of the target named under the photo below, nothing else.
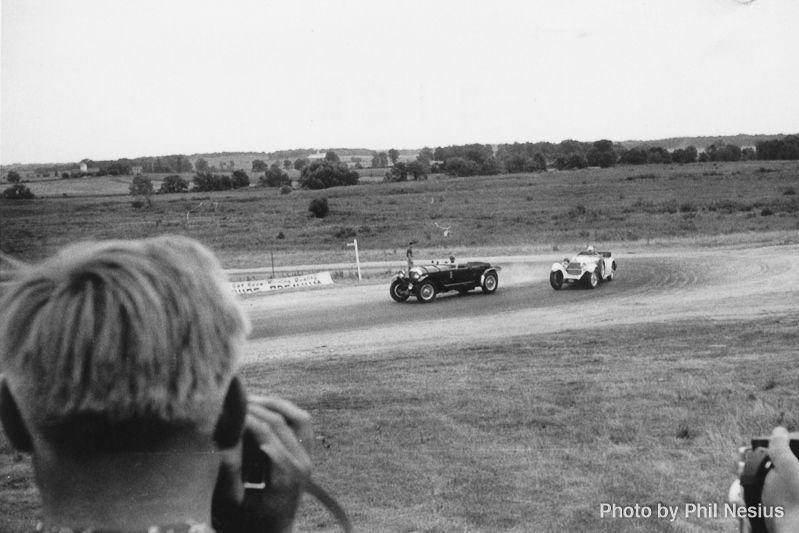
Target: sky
(103, 79)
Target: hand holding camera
(261, 480)
(769, 484)
(781, 485)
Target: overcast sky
(104, 79)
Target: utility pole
(357, 260)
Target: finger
(298, 419)
(289, 468)
(293, 414)
(270, 428)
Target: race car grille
(574, 269)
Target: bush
(285, 189)
(18, 192)
(13, 177)
(172, 184)
(766, 212)
(65, 175)
(141, 186)
(240, 179)
(319, 208)
(326, 174)
(790, 191)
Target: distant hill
(741, 140)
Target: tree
(425, 154)
(332, 157)
(239, 179)
(418, 169)
(383, 157)
(142, 186)
(287, 164)
(201, 165)
(65, 175)
(232, 165)
(13, 177)
(324, 174)
(299, 164)
(393, 155)
(259, 166)
(458, 166)
(173, 184)
(319, 208)
(275, 177)
(18, 192)
(399, 172)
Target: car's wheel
(601, 269)
(399, 291)
(556, 279)
(592, 279)
(427, 292)
(612, 271)
(490, 283)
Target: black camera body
(754, 464)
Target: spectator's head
(114, 345)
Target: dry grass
(498, 212)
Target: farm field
(520, 411)
(526, 212)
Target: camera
(754, 464)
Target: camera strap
(756, 468)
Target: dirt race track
(651, 286)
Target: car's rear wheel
(601, 269)
(427, 292)
(592, 279)
(612, 271)
(556, 279)
(399, 291)
(490, 282)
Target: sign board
(248, 287)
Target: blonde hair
(124, 330)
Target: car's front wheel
(592, 279)
(556, 279)
(399, 291)
(612, 271)
(427, 292)
(490, 283)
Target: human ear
(230, 425)
(12, 420)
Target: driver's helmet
(590, 249)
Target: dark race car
(425, 281)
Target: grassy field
(506, 212)
(531, 435)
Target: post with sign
(357, 260)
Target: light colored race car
(589, 267)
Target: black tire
(556, 279)
(490, 282)
(399, 291)
(601, 271)
(592, 279)
(612, 271)
(427, 292)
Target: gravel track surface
(651, 286)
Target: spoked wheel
(427, 292)
(490, 283)
(592, 279)
(556, 279)
(399, 291)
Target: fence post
(357, 259)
